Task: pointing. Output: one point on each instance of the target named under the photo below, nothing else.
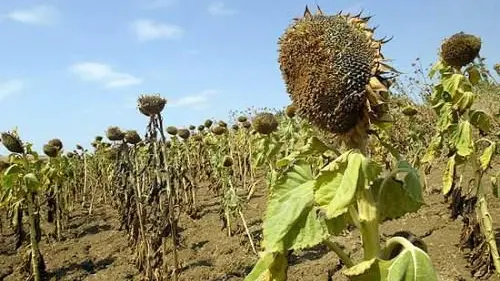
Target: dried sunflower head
(223, 124)
(172, 130)
(192, 127)
(334, 73)
(57, 143)
(265, 123)
(208, 123)
(132, 137)
(184, 133)
(79, 147)
(114, 133)
(291, 110)
(219, 130)
(247, 124)
(235, 127)
(242, 119)
(150, 105)
(50, 150)
(70, 154)
(460, 49)
(98, 138)
(201, 128)
(12, 142)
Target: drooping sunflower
(335, 74)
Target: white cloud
(10, 87)
(38, 15)
(146, 30)
(103, 73)
(219, 8)
(197, 101)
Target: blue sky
(70, 69)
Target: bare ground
(96, 250)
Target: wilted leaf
(487, 155)
(445, 117)
(269, 267)
(480, 120)
(398, 197)
(433, 149)
(412, 264)
(461, 138)
(32, 182)
(452, 84)
(465, 101)
(449, 175)
(474, 75)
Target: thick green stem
(35, 250)
(368, 220)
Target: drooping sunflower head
(57, 143)
(335, 73)
(242, 118)
(460, 49)
(219, 130)
(50, 150)
(150, 105)
(172, 130)
(265, 123)
(12, 142)
(114, 133)
(184, 133)
(132, 137)
(208, 123)
(291, 110)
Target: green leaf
(487, 155)
(337, 183)
(474, 75)
(449, 175)
(437, 67)
(13, 169)
(465, 101)
(412, 263)
(400, 192)
(269, 267)
(364, 271)
(452, 84)
(445, 119)
(314, 146)
(433, 149)
(291, 221)
(480, 120)
(32, 182)
(461, 138)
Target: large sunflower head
(334, 70)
